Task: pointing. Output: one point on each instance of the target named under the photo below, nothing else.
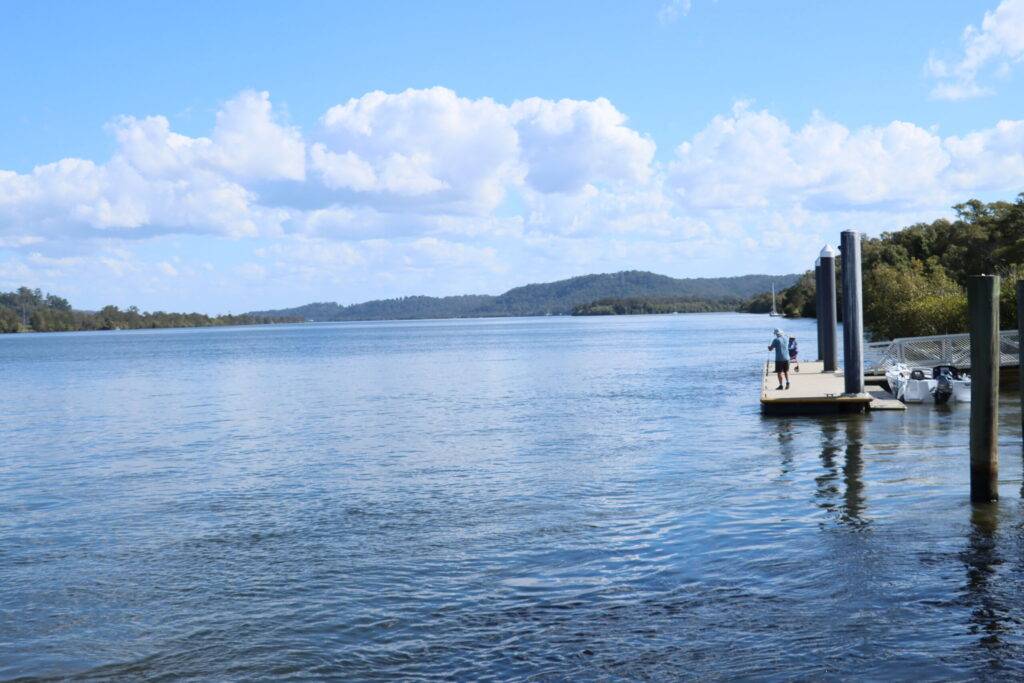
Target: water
(547, 498)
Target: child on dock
(793, 354)
(781, 359)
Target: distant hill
(549, 298)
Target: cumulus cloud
(399, 188)
(755, 159)
(429, 144)
(396, 161)
(996, 47)
(159, 181)
(569, 144)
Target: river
(546, 498)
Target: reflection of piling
(818, 306)
(981, 557)
(853, 314)
(853, 470)
(983, 309)
(828, 309)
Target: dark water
(503, 499)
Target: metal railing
(942, 349)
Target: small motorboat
(943, 386)
(962, 390)
(919, 387)
(897, 377)
(952, 383)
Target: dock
(814, 391)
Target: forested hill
(550, 298)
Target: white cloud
(249, 143)
(424, 190)
(429, 144)
(341, 171)
(161, 182)
(997, 45)
(569, 144)
(755, 159)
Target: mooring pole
(853, 314)
(828, 308)
(983, 311)
(817, 309)
(1020, 343)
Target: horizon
(202, 167)
(404, 296)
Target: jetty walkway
(812, 390)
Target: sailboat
(774, 312)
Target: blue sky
(230, 156)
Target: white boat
(962, 390)
(917, 385)
(919, 390)
(774, 312)
(897, 377)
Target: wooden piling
(853, 314)
(983, 311)
(828, 309)
(817, 309)
(1020, 344)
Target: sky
(231, 156)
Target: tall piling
(983, 312)
(817, 310)
(1020, 345)
(853, 314)
(828, 308)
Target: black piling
(828, 308)
(983, 311)
(853, 314)
(1020, 344)
(818, 305)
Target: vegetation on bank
(915, 278)
(548, 298)
(29, 310)
(646, 306)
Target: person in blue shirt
(793, 352)
(781, 358)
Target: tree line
(30, 310)
(548, 298)
(915, 279)
(646, 306)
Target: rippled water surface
(549, 498)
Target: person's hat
(778, 332)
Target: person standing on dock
(781, 358)
(793, 353)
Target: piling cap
(828, 252)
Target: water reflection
(981, 558)
(849, 505)
(785, 433)
(853, 471)
(827, 488)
